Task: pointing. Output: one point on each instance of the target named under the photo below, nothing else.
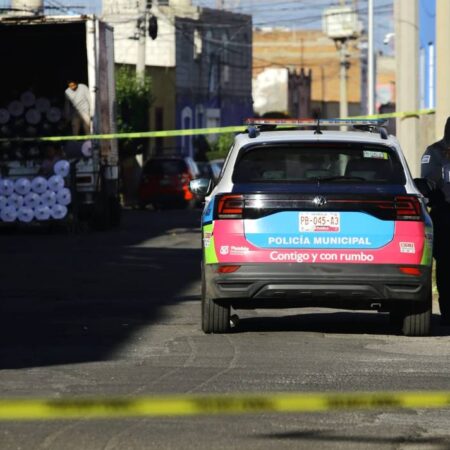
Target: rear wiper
(339, 178)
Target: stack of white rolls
(39, 198)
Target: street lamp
(147, 23)
(341, 24)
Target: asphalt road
(118, 313)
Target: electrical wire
(219, 45)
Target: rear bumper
(327, 285)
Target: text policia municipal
(319, 240)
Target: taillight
(407, 208)
(410, 271)
(229, 268)
(403, 207)
(230, 206)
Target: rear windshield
(325, 162)
(165, 167)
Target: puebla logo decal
(224, 250)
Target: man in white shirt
(78, 107)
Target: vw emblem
(320, 201)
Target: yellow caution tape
(133, 135)
(191, 132)
(400, 115)
(193, 405)
(150, 134)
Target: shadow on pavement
(338, 322)
(77, 298)
(327, 436)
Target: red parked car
(165, 182)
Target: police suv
(306, 215)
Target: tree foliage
(220, 148)
(134, 96)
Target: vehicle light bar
(314, 122)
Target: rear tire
(416, 320)
(396, 320)
(215, 317)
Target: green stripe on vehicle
(208, 244)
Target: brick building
(278, 51)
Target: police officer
(435, 167)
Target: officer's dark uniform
(435, 166)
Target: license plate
(311, 222)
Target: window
(186, 124)
(213, 120)
(334, 163)
(198, 44)
(226, 73)
(225, 50)
(200, 116)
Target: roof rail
(256, 125)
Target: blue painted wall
(193, 114)
(427, 53)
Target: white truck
(39, 54)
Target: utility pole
(442, 91)
(407, 78)
(344, 66)
(341, 25)
(370, 61)
(142, 38)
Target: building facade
(213, 73)
(200, 63)
(278, 52)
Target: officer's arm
(87, 95)
(431, 170)
(430, 166)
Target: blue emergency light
(256, 125)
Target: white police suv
(306, 216)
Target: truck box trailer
(39, 55)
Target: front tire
(416, 320)
(215, 317)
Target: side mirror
(200, 186)
(425, 186)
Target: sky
(308, 14)
(293, 14)
(275, 13)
